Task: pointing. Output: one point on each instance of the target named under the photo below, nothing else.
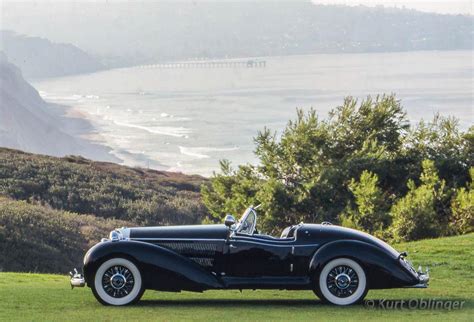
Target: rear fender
(162, 269)
(383, 270)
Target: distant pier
(211, 64)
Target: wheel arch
(381, 268)
(161, 268)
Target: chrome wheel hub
(342, 281)
(118, 281)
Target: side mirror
(229, 220)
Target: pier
(211, 64)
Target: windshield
(248, 222)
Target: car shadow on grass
(301, 303)
(232, 303)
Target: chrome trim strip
(266, 243)
(177, 239)
(272, 243)
(262, 240)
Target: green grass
(36, 297)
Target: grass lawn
(39, 297)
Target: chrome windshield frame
(244, 217)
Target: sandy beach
(87, 141)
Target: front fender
(161, 268)
(383, 270)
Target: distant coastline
(76, 124)
(80, 126)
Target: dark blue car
(339, 264)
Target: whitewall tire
(118, 282)
(342, 281)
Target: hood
(177, 232)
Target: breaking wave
(200, 152)
(180, 132)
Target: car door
(249, 256)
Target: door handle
(232, 246)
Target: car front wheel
(117, 282)
(342, 281)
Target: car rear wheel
(342, 281)
(117, 281)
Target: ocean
(187, 119)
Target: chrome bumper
(77, 280)
(423, 279)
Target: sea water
(187, 119)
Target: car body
(339, 264)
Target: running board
(277, 282)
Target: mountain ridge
(41, 58)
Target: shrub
(415, 216)
(462, 207)
(35, 238)
(371, 214)
(145, 197)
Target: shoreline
(75, 124)
(79, 126)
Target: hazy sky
(438, 6)
(125, 27)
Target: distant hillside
(27, 123)
(41, 58)
(107, 190)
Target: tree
(303, 174)
(306, 172)
(415, 215)
(371, 213)
(230, 191)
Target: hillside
(27, 122)
(107, 190)
(35, 238)
(41, 58)
(39, 296)
(53, 209)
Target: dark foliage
(35, 238)
(141, 196)
(353, 168)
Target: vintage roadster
(339, 264)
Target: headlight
(115, 235)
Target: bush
(463, 209)
(415, 216)
(144, 197)
(371, 214)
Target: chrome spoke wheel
(118, 281)
(342, 281)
